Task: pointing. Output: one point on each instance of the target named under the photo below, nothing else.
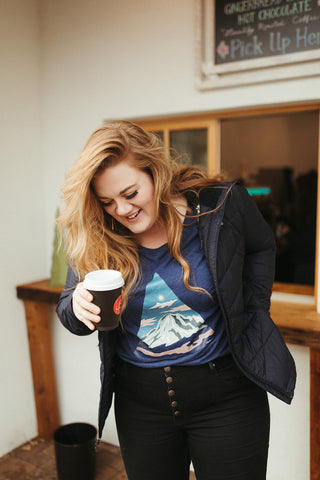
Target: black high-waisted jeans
(210, 414)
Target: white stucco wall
(23, 250)
(100, 60)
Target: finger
(89, 324)
(83, 298)
(83, 314)
(83, 292)
(87, 306)
(85, 317)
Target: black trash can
(75, 451)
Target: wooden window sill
(299, 323)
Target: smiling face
(127, 194)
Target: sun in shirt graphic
(169, 326)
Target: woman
(196, 351)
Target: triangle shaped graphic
(166, 320)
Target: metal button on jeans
(169, 379)
(171, 393)
(167, 369)
(174, 404)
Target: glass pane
(276, 159)
(191, 145)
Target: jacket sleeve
(259, 260)
(64, 308)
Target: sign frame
(210, 75)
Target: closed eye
(131, 195)
(105, 204)
(127, 197)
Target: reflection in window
(191, 144)
(275, 158)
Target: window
(194, 139)
(274, 154)
(276, 158)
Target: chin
(138, 231)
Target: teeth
(134, 215)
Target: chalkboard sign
(241, 42)
(253, 29)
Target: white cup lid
(103, 280)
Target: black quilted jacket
(240, 250)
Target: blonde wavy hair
(93, 239)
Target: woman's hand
(83, 308)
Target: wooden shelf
(40, 291)
(298, 323)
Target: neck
(154, 238)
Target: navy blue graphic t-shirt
(166, 323)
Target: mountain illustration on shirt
(167, 322)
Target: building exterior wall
(100, 60)
(22, 256)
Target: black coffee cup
(106, 288)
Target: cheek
(149, 197)
(149, 201)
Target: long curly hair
(93, 239)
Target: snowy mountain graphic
(171, 328)
(166, 320)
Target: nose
(122, 207)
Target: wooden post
(314, 414)
(37, 299)
(37, 316)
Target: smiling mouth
(132, 217)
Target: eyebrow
(121, 193)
